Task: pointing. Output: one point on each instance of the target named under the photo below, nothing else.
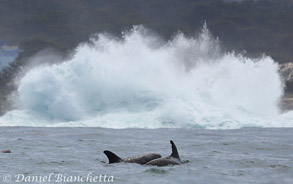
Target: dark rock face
(286, 103)
(286, 71)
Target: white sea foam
(140, 81)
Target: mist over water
(141, 81)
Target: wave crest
(141, 81)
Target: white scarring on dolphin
(139, 159)
(173, 159)
(148, 159)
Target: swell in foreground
(140, 81)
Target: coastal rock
(286, 70)
(5, 151)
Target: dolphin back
(112, 157)
(164, 162)
(148, 159)
(173, 159)
(142, 159)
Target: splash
(141, 81)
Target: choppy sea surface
(247, 155)
(132, 95)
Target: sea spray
(140, 81)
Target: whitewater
(139, 80)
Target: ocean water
(5, 60)
(248, 155)
(7, 56)
(132, 95)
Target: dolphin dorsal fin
(174, 151)
(112, 157)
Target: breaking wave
(140, 81)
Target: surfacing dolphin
(173, 159)
(139, 159)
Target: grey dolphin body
(173, 159)
(139, 159)
(5, 151)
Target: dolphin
(139, 159)
(173, 159)
(5, 151)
